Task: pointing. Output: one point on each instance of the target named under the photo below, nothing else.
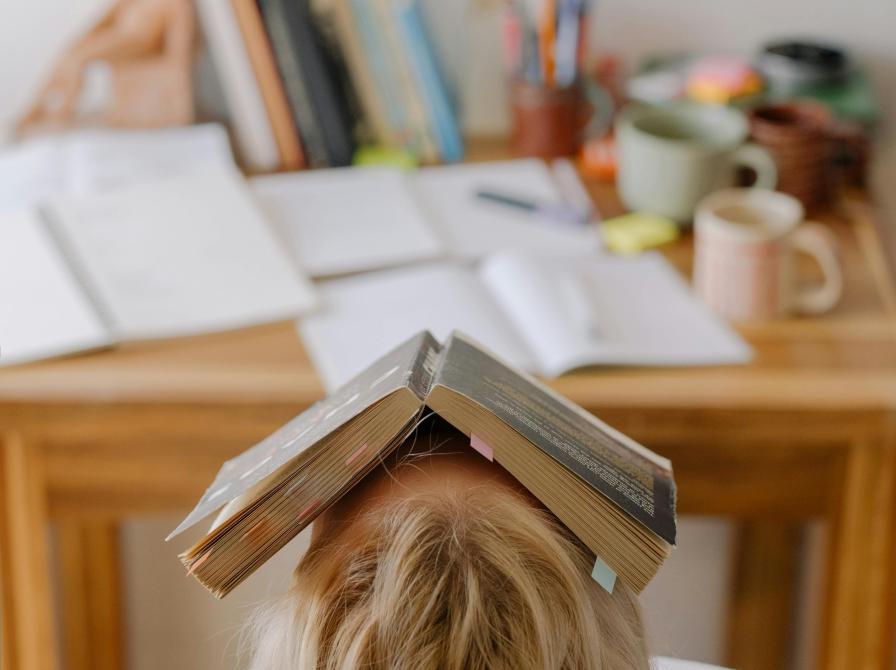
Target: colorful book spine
(361, 73)
(261, 56)
(276, 20)
(423, 61)
(384, 75)
(424, 143)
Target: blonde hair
(453, 581)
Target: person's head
(441, 560)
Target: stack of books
(307, 82)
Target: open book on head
(345, 220)
(616, 496)
(544, 314)
(182, 256)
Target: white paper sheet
(31, 171)
(43, 311)
(608, 310)
(369, 314)
(348, 219)
(181, 256)
(474, 228)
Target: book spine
(276, 21)
(384, 75)
(361, 75)
(423, 60)
(321, 75)
(261, 57)
(423, 135)
(254, 135)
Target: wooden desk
(808, 431)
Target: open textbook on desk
(616, 496)
(545, 314)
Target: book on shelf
(319, 107)
(309, 80)
(378, 127)
(286, 134)
(255, 141)
(420, 53)
(615, 495)
(184, 255)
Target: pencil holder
(549, 122)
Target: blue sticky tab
(603, 575)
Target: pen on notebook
(560, 213)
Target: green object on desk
(384, 156)
(637, 231)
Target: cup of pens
(554, 105)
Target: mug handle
(759, 160)
(816, 240)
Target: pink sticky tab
(480, 446)
(358, 452)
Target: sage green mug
(670, 157)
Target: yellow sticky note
(637, 231)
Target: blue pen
(568, 41)
(546, 211)
(533, 61)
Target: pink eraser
(480, 446)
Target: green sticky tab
(384, 156)
(603, 575)
(637, 231)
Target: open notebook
(182, 256)
(350, 220)
(545, 314)
(94, 160)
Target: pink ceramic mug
(745, 246)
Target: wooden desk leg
(26, 607)
(858, 619)
(760, 614)
(90, 575)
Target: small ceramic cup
(745, 246)
(670, 157)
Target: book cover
(261, 56)
(254, 134)
(384, 75)
(276, 21)
(303, 40)
(425, 66)
(626, 473)
(422, 135)
(361, 73)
